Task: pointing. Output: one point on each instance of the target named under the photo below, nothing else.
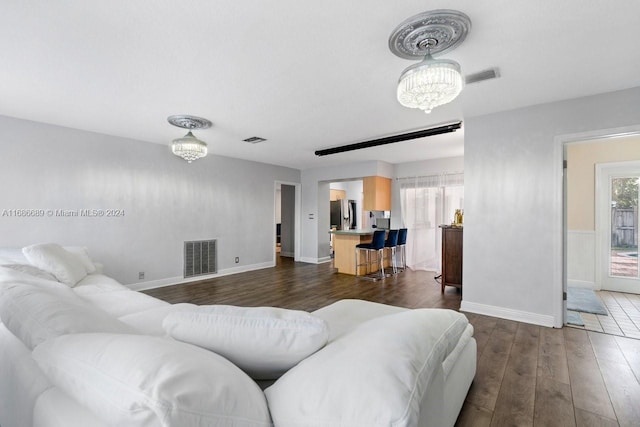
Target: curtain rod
(429, 176)
(438, 130)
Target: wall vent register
(200, 258)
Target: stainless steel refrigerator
(343, 214)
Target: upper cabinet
(337, 194)
(376, 193)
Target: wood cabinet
(376, 193)
(451, 256)
(337, 194)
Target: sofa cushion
(54, 408)
(375, 375)
(10, 277)
(263, 341)
(21, 381)
(35, 314)
(97, 283)
(120, 303)
(31, 270)
(150, 321)
(53, 258)
(143, 381)
(344, 315)
(12, 256)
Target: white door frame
(297, 232)
(604, 171)
(559, 266)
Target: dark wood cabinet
(451, 256)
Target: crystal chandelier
(432, 82)
(189, 147)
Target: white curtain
(427, 202)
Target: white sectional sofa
(95, 353)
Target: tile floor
(623, 319)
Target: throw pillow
(53, 258)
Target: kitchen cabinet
(376, 193)
(337, 195)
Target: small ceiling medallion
(431, 82)
(189, 147)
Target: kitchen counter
(344, 249)
(354, 232)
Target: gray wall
(513, 202)
(166, 200)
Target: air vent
(200, 258)
(489, 74)
(254, 140)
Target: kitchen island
(344, 249)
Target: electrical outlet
(141, 275)
(237, 259)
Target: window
(427, 202)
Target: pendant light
(189, 147)
(431, 82)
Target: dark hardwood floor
(526, 376)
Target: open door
(617, 191)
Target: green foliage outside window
(624, 193)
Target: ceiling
(305, 75)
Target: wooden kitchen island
(344, 249)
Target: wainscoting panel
(581, 259)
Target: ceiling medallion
(446, 28)
(189, 122)
(189, 147)
(432, 82)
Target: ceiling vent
(491, 73)
(254, 140)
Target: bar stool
(377, 246)
(391, 243)
(402, 245)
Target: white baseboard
(315, 260)
(287, 254)
(582, 284)
(151, 284)
(507, 313)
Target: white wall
(513, 202)
(166, 200)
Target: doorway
(600, 192)
(617, 226)
(286, 230)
